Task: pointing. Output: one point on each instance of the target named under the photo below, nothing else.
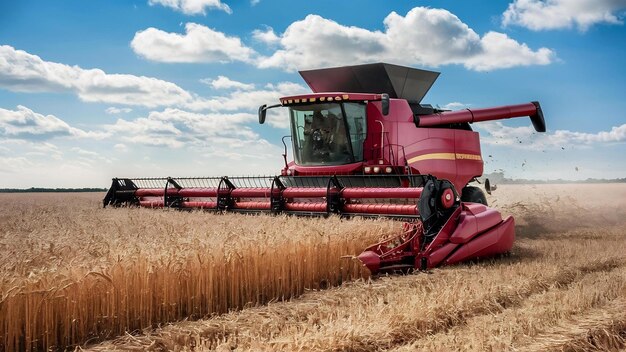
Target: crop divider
(277, 201)
(333, 196)
(122, 191)
(174, 200)
(224, 198)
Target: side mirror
(262, 113)
(384, 102)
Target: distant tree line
(50, 190)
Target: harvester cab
(363, 144)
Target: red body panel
(438, 255)
(498, 240)
(448, 154)
(474, 219)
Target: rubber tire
(474, 195)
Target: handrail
(285, 152)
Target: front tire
(474, 195)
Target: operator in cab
(325, 138)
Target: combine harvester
(364, 145)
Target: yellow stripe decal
(476, 157)
(446, 156)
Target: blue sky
(94, 89)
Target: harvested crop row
(602, 329)
(517, 327)
(74, 272)
(391, 312)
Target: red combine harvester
(364, 145)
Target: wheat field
(73, 275)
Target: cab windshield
(328, 134)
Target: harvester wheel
(474, 195)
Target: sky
(95, 89)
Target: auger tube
(532, 110)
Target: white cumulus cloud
(556, 14)
(114, 111)
(120, 147)
(223, 82)
(193, 7)
(266, 36)
(456, 106)
(13, 165)
(198, 44)
(24, 72)
(227, 135)
(425, 36)
(525, 137)
(249, 100)
(26, 124)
